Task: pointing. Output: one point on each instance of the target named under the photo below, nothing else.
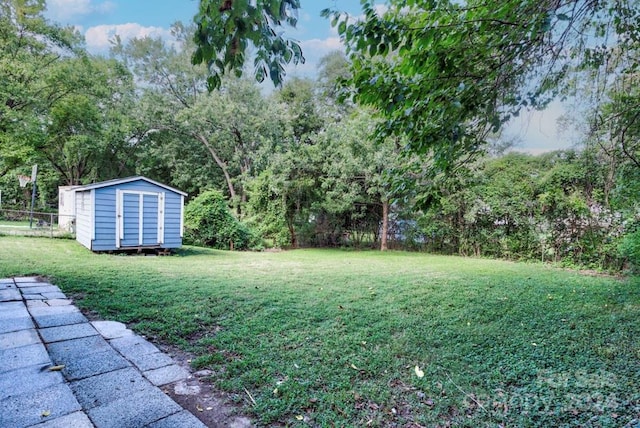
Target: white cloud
(313, 50)
(539, 130)
(98, 37)
(65, 11)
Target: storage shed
(129, 213)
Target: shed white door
(140, 218)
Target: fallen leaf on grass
(419, 372)
(353, 366)
(299, 417)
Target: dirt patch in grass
(198, 396)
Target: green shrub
(630, 249)
(209, 223)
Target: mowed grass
(333, 338)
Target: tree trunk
(385, 225)
(292, 232)
(220, 163)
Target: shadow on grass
(187, 251)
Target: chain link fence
(26, 223)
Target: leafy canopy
(448, 73)
(445, 73)
(227, 29)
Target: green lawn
(332, 338)
(9, 223)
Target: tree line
(327, 161)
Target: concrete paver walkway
(57, 369)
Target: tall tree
(31, 48)
(231, 124)
(87, 134)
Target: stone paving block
(6, 281)
(68, 351)
(8, 325)
(94, 364)
(24, 356)
(10, 306)
(36, 303)
(111, 329)
(12, 310)
(27, 379)
(133, 345)
(99, 390)
(28, 284)
(183, 419)
(54, 295)
(50, 310)
(165, 375)
(15, 339)
(74, 420)
(53, 320)
(45, 303)
(50, 316)
(67, 332)
(152, 361)
(41, 289)
(33, 297)
(137, 410)
(23, 279)
(10, 295)
(27, 409)
(59, 302)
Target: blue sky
(100, 20)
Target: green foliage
(446, 74)
(524, 207)
(267, 210)
(31, 48)
(629, 247)
(209, 223)
(334, 336)
(227, 30)
(60, 108)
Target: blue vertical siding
(150, 224)
(131, 222)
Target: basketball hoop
(24, 179)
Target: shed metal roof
(117, 181)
